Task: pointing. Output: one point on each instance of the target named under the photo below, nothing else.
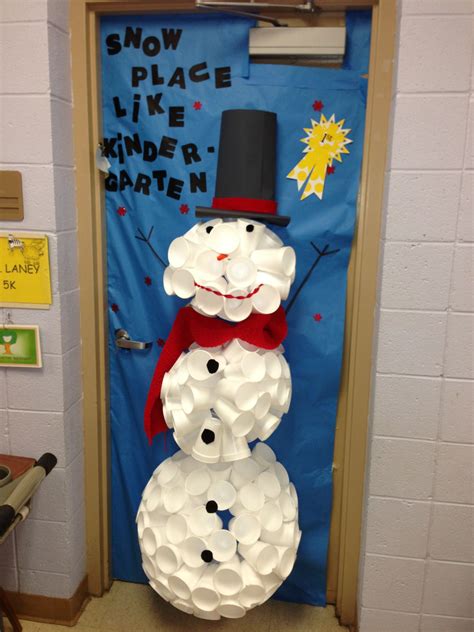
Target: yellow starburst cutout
(326, 141)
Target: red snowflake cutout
(114, 307)
(318, 106)
(184, 209)
(160, 342)
(330, 170)
(147, 280)
(317, 317)
(122, 211)
(197, 105)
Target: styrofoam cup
(197, 482)
(150, 540)
(182, 252)
(212, 615)
(231, 608)
(267, 300)
(174, 498)
(251, 497)
(244, 471)
(285, 369)
(236, 349)
(241, 272)
(208, 267)
(280, 282)
(261, 556)
(228, 577)
(168, 558)
(186, 442)
(194, 397)
(204, 596)
(182, 373)
(183, 605)
(197, 362)
(269, 239)
(184, 580)
(253, 591)
(240, 422)
(153, 498)
(220, 471)
(176, 528)
(246, 528)
(269, 484)
(224, 238)
(223, 493)
(207, 301)
(160, 586)
(271, 582)
(243, 394)
(271, 516)
(249, 238)
(273, 365)
(281, 473)
(253, 366)
(263, 405)
(236, 309)
(167, 280)
(168, 473)
(263, 454)
(222, 544)
(207, 447)
(287, 505)
(184, 424)
(182, 283)
(233, 448)
(286, 561)
(191, 550)
(276, 260)
(284, 536)
(202, 523)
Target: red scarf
(262, 330)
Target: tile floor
(136, 608)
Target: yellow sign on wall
(24, 270)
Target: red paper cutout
(122, 211)
(317, 317)
(184, 209)
(318, 106)
(330, 170)
(160, 342)
(114, 307)
(197, 105)
(147, 280)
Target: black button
(211, 506)
(207, 556)
(207, 436)
(209, 228)
(212, 366)
(250, 228)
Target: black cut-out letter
(113, 44)
(155, 76)
(174, 188)
(190, 153)
(167, 147)
(142, 184)
(151, 46)
(223, 78)
(119, 110)
(132, 144)
(111, 183)
(176, 116)
(198, 181)
(177, 78)
(139, 73)
(150, 152)
(153, 102)
(125, 180)
(108, 147)
(194, 72)
(160, 177)
(171, 38)
(132, 38)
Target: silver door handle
(122, 340)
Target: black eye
(212, 366)
(207, 436)
(250, 228)
(209, 229)
(211, 506)
(207, 556)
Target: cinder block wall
(417, 555)
(41, 409)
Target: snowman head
(230, 268)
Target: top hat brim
(266, 218)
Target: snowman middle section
(218, 399)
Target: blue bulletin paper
(163, 165)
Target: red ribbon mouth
(239, 298)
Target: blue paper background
(304, 441)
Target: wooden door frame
(353, 409)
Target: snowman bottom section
(219, 399)
(218, 539)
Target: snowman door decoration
(218, 521)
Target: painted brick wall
(417, 554)
(41, 409)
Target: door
(165, 82)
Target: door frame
(354, 399)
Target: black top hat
(245, 183)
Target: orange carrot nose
(220, 257)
